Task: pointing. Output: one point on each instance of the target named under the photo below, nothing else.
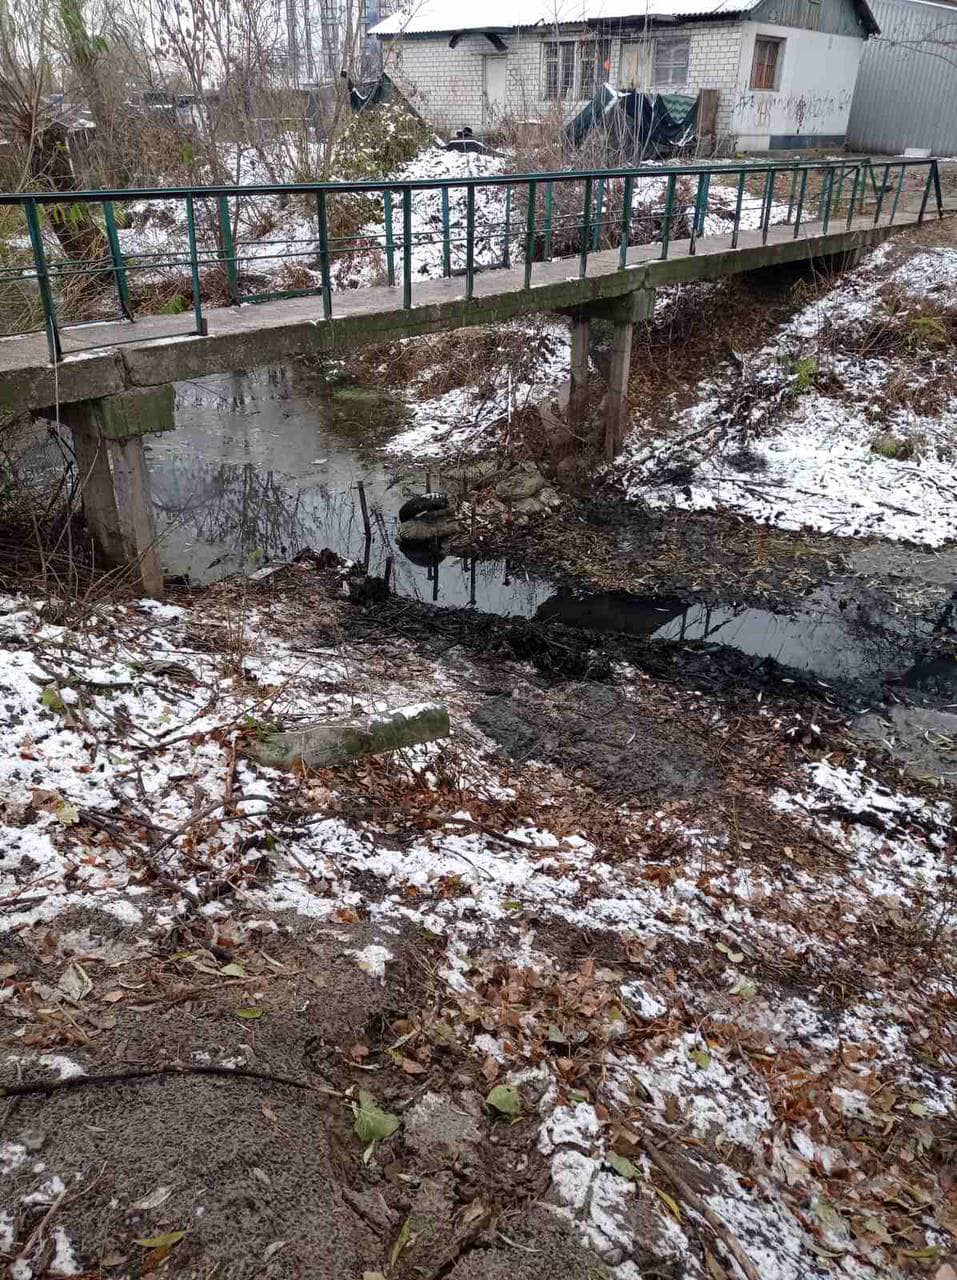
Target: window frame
(566, 51)
(593, 53)
(671, 42)
(777, 43)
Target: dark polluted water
(264, 464)
(839, 632)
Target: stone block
(321, 746)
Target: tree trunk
(81, 239)
(84, 52)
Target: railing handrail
(590, 222)
(46, 196)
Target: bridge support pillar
(114, 483)
(624, 313)
(615, 410)
(578, 390)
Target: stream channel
(264, 464)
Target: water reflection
(263, 465)
(836, 632)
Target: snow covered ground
(757, 1031)
(472, 418)
(844, 422)
(277, 239)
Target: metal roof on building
(432, 16)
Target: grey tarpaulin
(637, 124)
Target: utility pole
(292, 39)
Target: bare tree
(27, 48)
(86, 51)
(28, 43)
(231, 55)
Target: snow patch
(373, 959)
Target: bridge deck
(160, 349)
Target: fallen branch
(37, 1234)
(119, 1077)
(208, 812)
(718, 1225)
(514, 841)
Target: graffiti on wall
(792, 108)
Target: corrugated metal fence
(906, 94)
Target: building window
(766, 68)
(672, 54)
(559, 66)
(594, 60)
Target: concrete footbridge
(585, 244)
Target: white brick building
(784, 69)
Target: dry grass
(442, 362)
(683, 345)
(917, 340)
(545, 148)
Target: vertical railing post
(228, 250)
(469, 241)
(850, 207)
(860, 188)
(881, 194)
(935, 169)
(586, 218)
(897, 193)
(407, 247)
(669, 214)
(194, 266)
(926, 196)
(506, 249)
(736, 229)
(119, 266)
(701, 205)
(768, 203)
(693, 241)
(530, 233)
(597, 220)
(800, 204)
(626, 198)
(446, 235)
(389, 237)
(547, 221)
(840, 185)
(324, 272)
(827, 193)
(792, 191)
(43, 281)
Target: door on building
(495, 94)
(635, 64)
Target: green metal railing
(464, 226)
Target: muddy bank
(844, 645)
